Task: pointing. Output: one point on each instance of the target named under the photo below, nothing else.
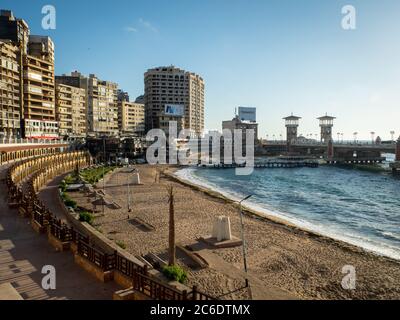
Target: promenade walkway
(23, 253)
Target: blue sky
(280, 56)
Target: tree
(171, 249)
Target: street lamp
(244, 244)
(392, 133)
(373, 137)
(129, 191)
(104, 173)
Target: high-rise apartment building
(35, 58)
(102, 107)
(41, 47)
(101, 101)
(16, 30)
(172, 94)
(131, 118)
(71, 110)
(10, 94)
(39, 119)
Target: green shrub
(69, 180)
(86, 217)
(63, 186)
(121, 244)
(93, 175)
(70, 203)
(175, 273)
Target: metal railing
(28, 200)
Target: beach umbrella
(101, 202)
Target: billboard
(177, 110)
(247, 114)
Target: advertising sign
(177, 110)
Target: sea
(356, 206)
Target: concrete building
(238, 124)
(170, 88)
(35, 57)
(39, 119)
(16, 30)
(75, 79)
(131, 118)
(102, 107)
(71, 110)
(10, 95)
(101, 101)
(41, 47)
(122, 95)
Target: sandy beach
(284, 261)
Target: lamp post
(392, 133)
(129, 191)
(104, 172)
(244, 247)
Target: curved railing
(27, 177)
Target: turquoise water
(358, 207)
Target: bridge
(333, 152)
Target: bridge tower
(326, 124)
(291, 123)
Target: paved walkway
(23, 253)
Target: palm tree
(171, 237)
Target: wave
(359, 240)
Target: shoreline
(283, 259)
(268, 217)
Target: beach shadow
(141, 225)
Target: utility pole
(104, 168)
(244, 246)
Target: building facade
(16, 30)
(71, 110)
(183, 90)
(10, 95)
(102, 107)
(101, 102)
(131, 118)
(238, 124)
(35, 60)
(39, 118)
